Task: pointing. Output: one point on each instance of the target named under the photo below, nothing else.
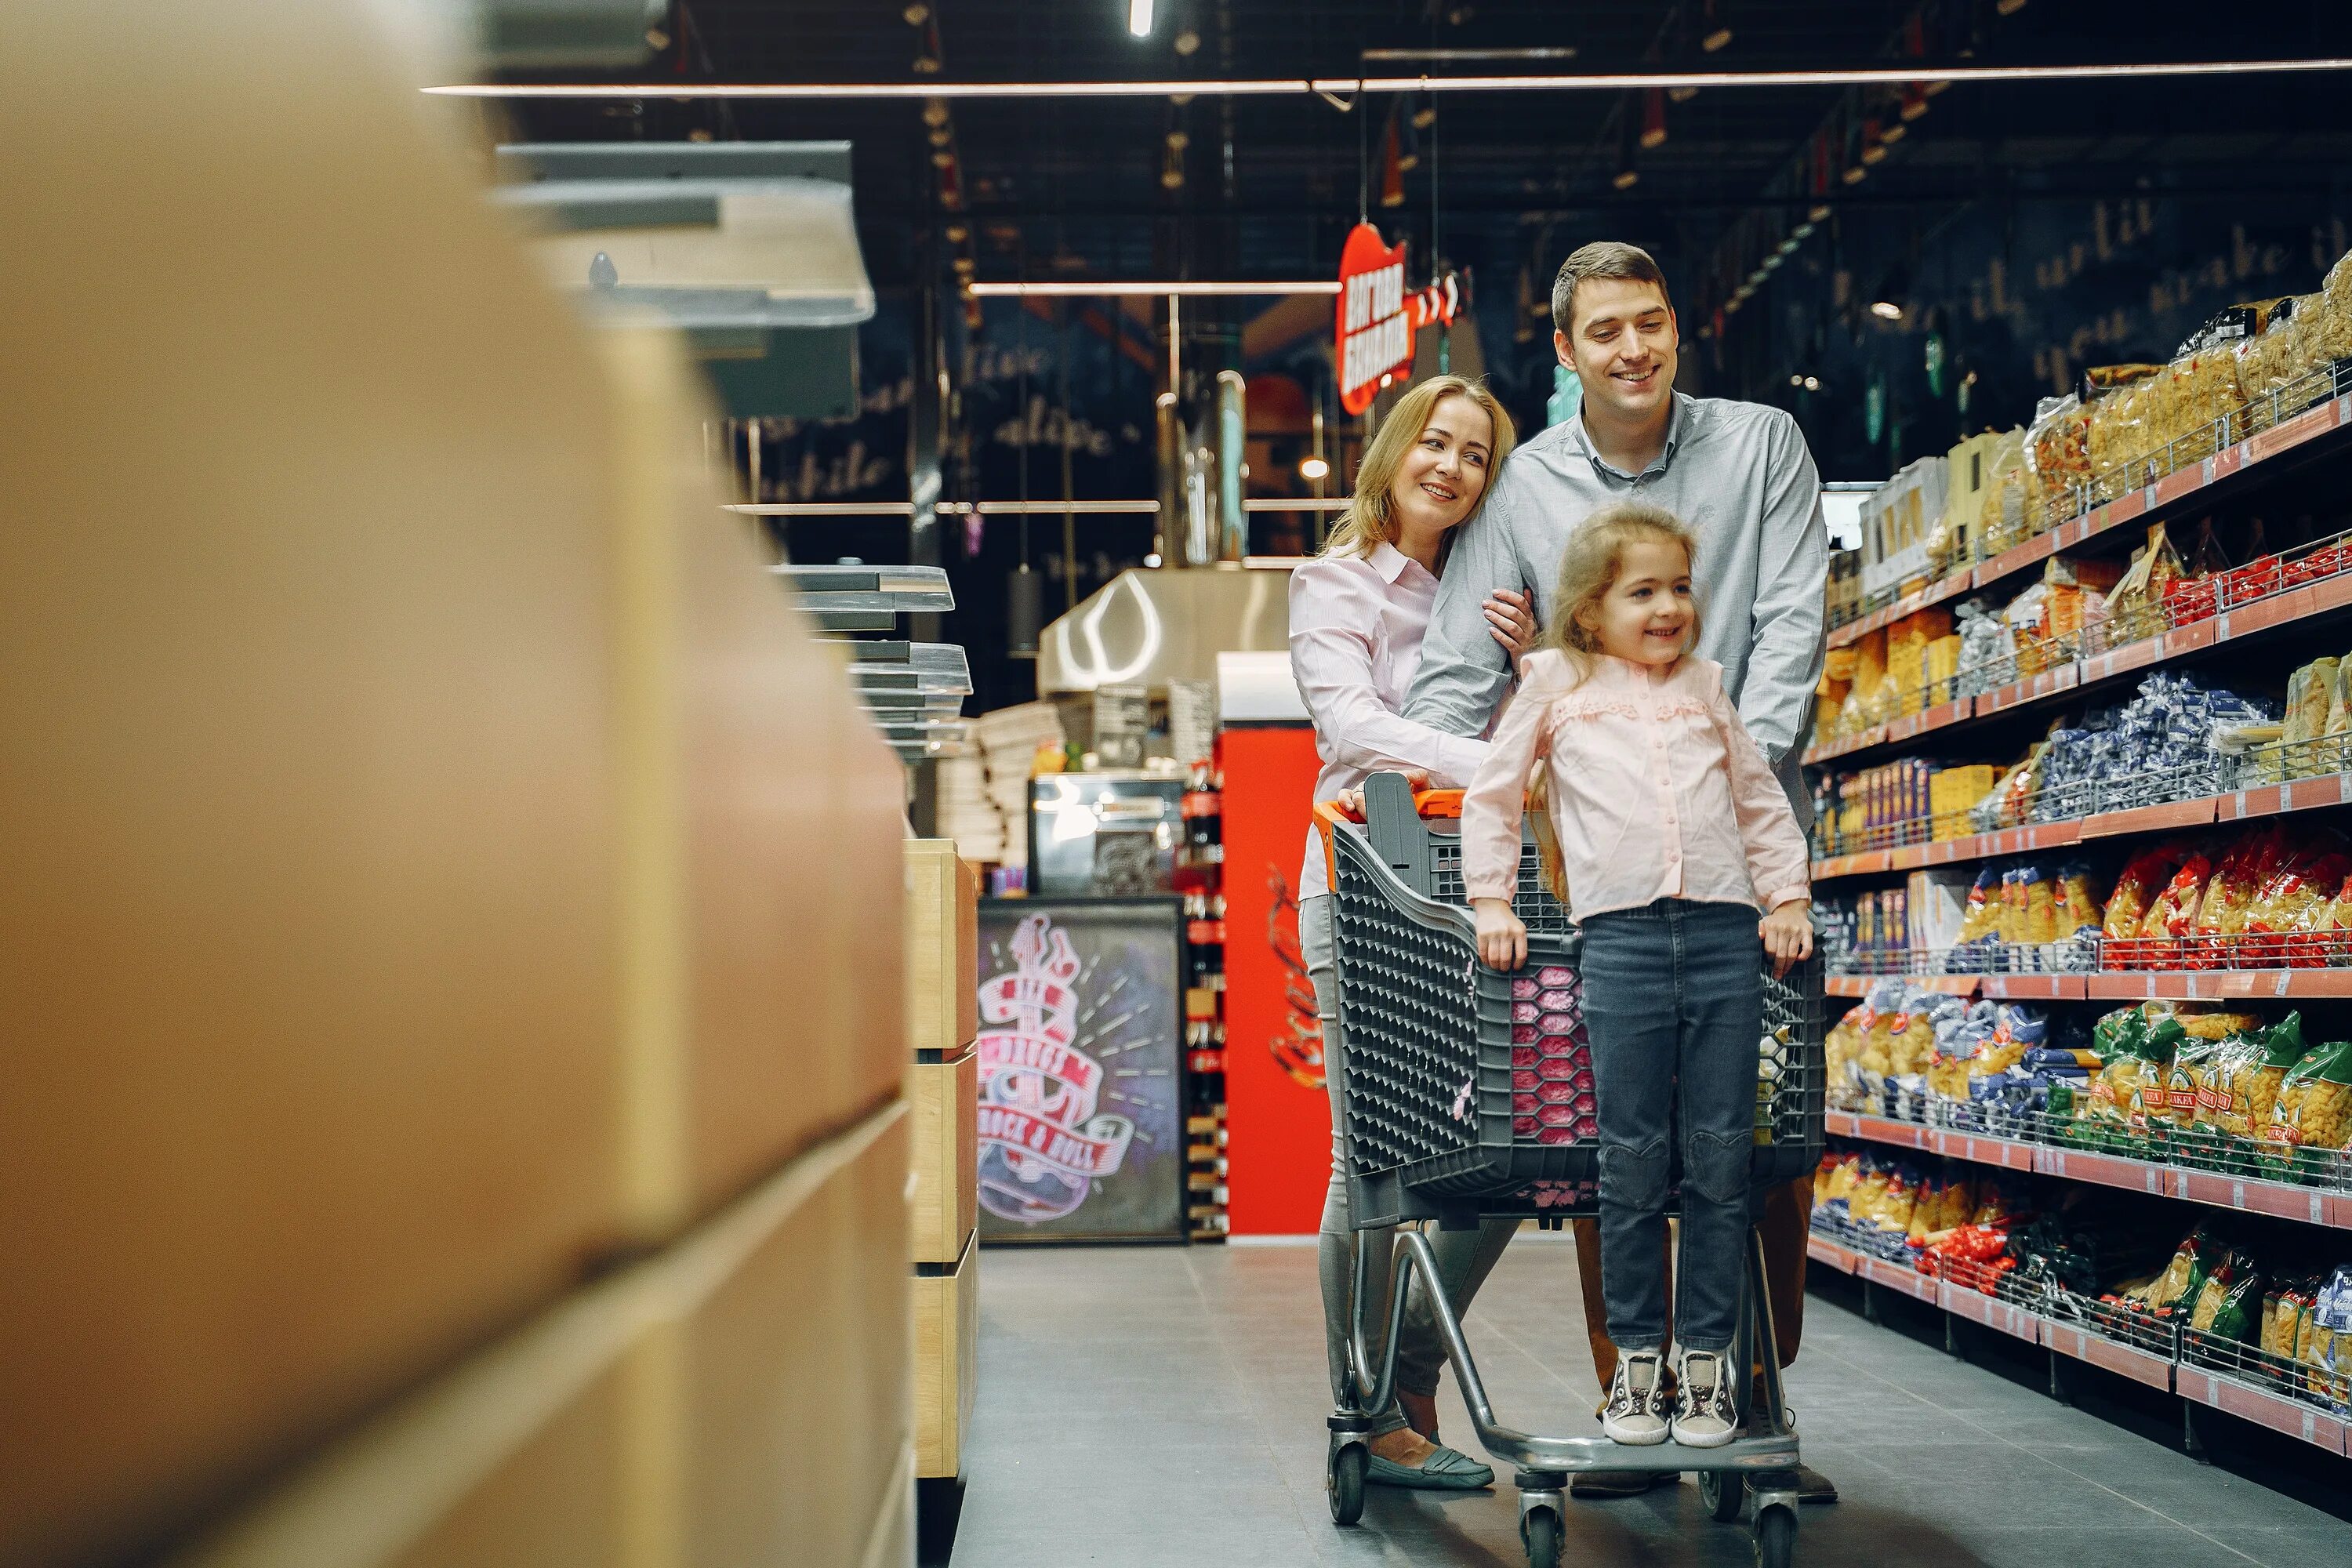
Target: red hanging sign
(1377, 319)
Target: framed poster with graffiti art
(1081, 1086)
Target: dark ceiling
(2037, 226)
(1270, 185)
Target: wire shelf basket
(2306, 1382)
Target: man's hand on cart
(1502, 937)
(1788, 933)
(1351, 801)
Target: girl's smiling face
(1645, 617)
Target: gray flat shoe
(1446, 1470)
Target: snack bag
(2037, 907)
(2312, 1115)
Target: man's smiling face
(1622, 347)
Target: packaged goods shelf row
(2117, 985)
(2069, 666)
(1909, 848)
(2215, 1375)
(2330, 1207)
(2191, 482)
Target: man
(1739, 476)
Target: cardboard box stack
(453, 1121)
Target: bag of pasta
(2250, 1093)
(2267, 362)
(2163, 935)
(2324, 1344)
(2311, 1123)
(2286, 925)
(1981, 916)
(2229, 894)
(2141, 1063)
(2333, 338)
(2322, 1352)
(2192, 1073)
(2182, 1278)
(2143, 877)
(2057, 461)
(2228, 1305)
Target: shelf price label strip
(2312, 1205)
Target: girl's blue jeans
(1673, 1007)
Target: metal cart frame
(1438, 1127)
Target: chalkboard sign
(1081, 1070)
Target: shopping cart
(1468, 1092)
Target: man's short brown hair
(1601, 259)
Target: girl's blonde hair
(1588, 566)
(1594, 555)
(1371, 519)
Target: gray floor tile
(1150, 1406)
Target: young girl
(1671, 831)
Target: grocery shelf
(2286, 608)
(1981, 1148)
(2250, 1402)
(2248, 1194)
(2177, 490)
(2217, 985)
(2173, 816)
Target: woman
(1357, 614)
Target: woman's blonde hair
(1594, 555)
(1371, 519)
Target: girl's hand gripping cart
(1469, 1092)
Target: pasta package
(2273, 357)
(2143, 877)
(2314, 1110)
(2332, 338)
(2295, 900)
(2248, 1095)
(2174, 911)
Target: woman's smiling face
(1443, 475)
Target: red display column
(1277, 1112)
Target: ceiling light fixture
(1621, 81)
(1314, 469)
(1812, 384)
(1139, 18)
(1886, 309)
(1189, 289)
(1716, 35)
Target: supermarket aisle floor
(1142, 1407)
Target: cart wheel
(1344, 1482)
(1541, 1530)
(1776, 1538)
(1723, 1492)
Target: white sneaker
(1632, 1416)
(1707, 1417)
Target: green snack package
(2312, 1120)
